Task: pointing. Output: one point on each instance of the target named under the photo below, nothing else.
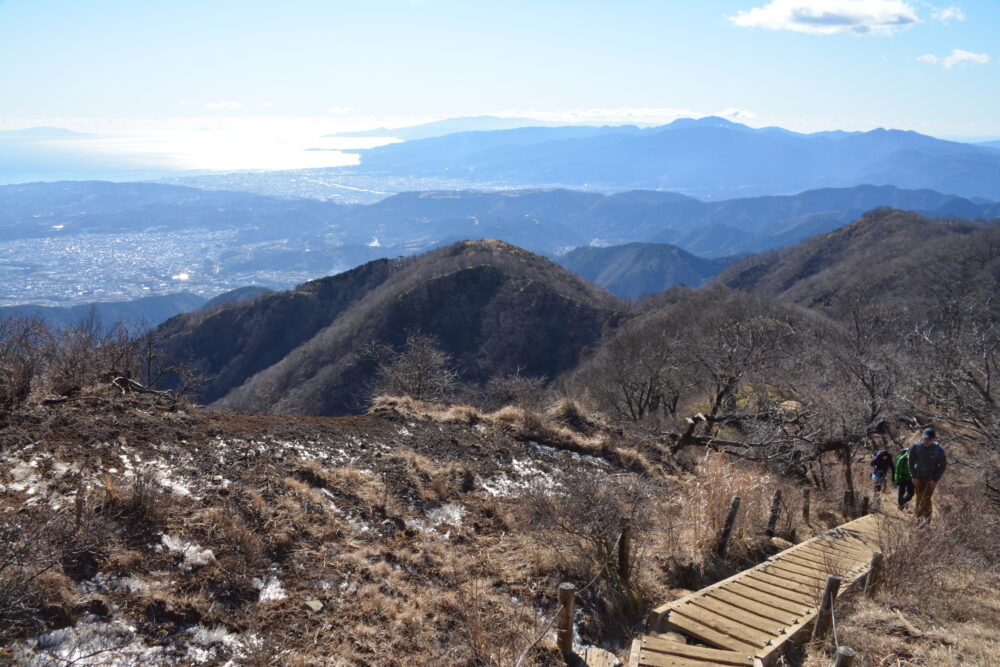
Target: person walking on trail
(881, 468)
(927, 464)
(901, 476)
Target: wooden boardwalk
(747, 618)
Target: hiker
(927, 463)
(901, 476)
(881, 467)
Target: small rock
(315, 605)
(781, 544)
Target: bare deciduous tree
(420, 370)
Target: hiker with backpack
(881, 467)
(927, 463)
(901, 476)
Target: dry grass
(565, 425)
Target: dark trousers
(905, 492)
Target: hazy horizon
(188, 86)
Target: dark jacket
(927, 461)
(882, 462)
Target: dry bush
(578, 523)
(34, 590)
(22, 346)
(514, 389)
(416, 409)
(569, 413)
(140, 503)
(707, 497)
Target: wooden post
(625, 548)
(844, 658)
(727, 528)
(805, 503)
(864, 506)
(564, 632)
(824, 617)
(874, 577)
(772, 520)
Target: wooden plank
(810, 573)
(698, 630)
(736, 631)
(738, 614)
(770, 596)
(662, 660)
(635, 653)
(844, 545)
(789, 590)
(829, 554)
(821, 560)
(696, 652)
(803, 556)
(783, 572)
(755, 605)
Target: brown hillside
(493, 307)
(886, 252)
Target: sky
(198, 83)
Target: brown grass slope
(493, 307)
(887, 252)
(427, 535)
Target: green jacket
(902, 473)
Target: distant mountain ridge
(637, 269)
(708, 158)
(448, 126)
(150, 310)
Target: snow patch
(89, 642)
(270, 588)
(194, 556)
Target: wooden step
(738, 615)
(659, 648)
(770, 596)
(709, 635)
(755, 605)
(742, 635)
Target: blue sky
(806, 65)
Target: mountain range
(497, 309)
(447, 126)
(710, 158)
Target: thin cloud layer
(946, 14)
(223, 105)
(830, 17)
(956, 58)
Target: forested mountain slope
(493, 308)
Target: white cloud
(737, 114)
(342, 111)
(960, 57)
(957, 57)
(640, 115)
(830, 17)
(223, 105)
(945, 14)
